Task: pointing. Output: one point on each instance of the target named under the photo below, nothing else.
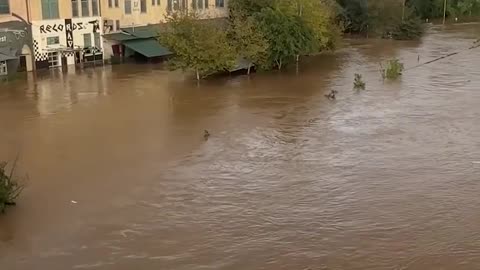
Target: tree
(319, 16)
(288, 36)
(198, 45)
(250, 7)
(249, 42)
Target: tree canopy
(198, 46)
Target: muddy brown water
(120, 176)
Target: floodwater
(120, 176)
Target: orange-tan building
(130, 25)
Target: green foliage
(385, 18)
(358, 83)
(200, 46)
(9, 188)
(249, 7)
(393, 69)
(288, 36)
(410, 28)
(291, 27)
(247, 40)
(319, 16)
(434, 8)
(355, 15)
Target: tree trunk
(297, 58)
(248, 70)
(280, 64)
(198, 74)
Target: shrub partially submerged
(393, 69)
(358, 83)
(10, 189)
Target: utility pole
(444, 11)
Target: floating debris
(206, 134)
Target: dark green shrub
(10, 189)
(358, 83)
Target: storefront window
(53, 59)
(96, 39)
(53, 40)
(3, 68)
(87, 40)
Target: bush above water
(358, 83)
(10, 189)
(393, 69)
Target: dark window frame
(4, 7)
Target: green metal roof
(147, 47)
(119, 36)
(141, 32)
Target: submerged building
(42, 34)
(15, 38)
(131, 27)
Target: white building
(67, 41)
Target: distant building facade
(66, 32)
(137, 20)
(15, 38)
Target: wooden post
(444, 11)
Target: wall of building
(18, 7)
(64, 9)
(155, 13)
(15, 36)
(70, 32)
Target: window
(173, 5)
(95, 8)
(219, 3)
(53, 40)
(4, 9)
(50, 9)
(116, 3)
(3, 68)
(110, 3)
(199, 4)
(74, 8)
(128, 6)
(87, 40)
(85, 9)
(117, 24)
(53, 59)
(153, 2)
(96, 39)
(206, 3)
(143, 6)
(158, 2)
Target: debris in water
(332, 95)
(73, 201)
(206, 134)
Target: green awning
(147, 47)
(119, 36)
